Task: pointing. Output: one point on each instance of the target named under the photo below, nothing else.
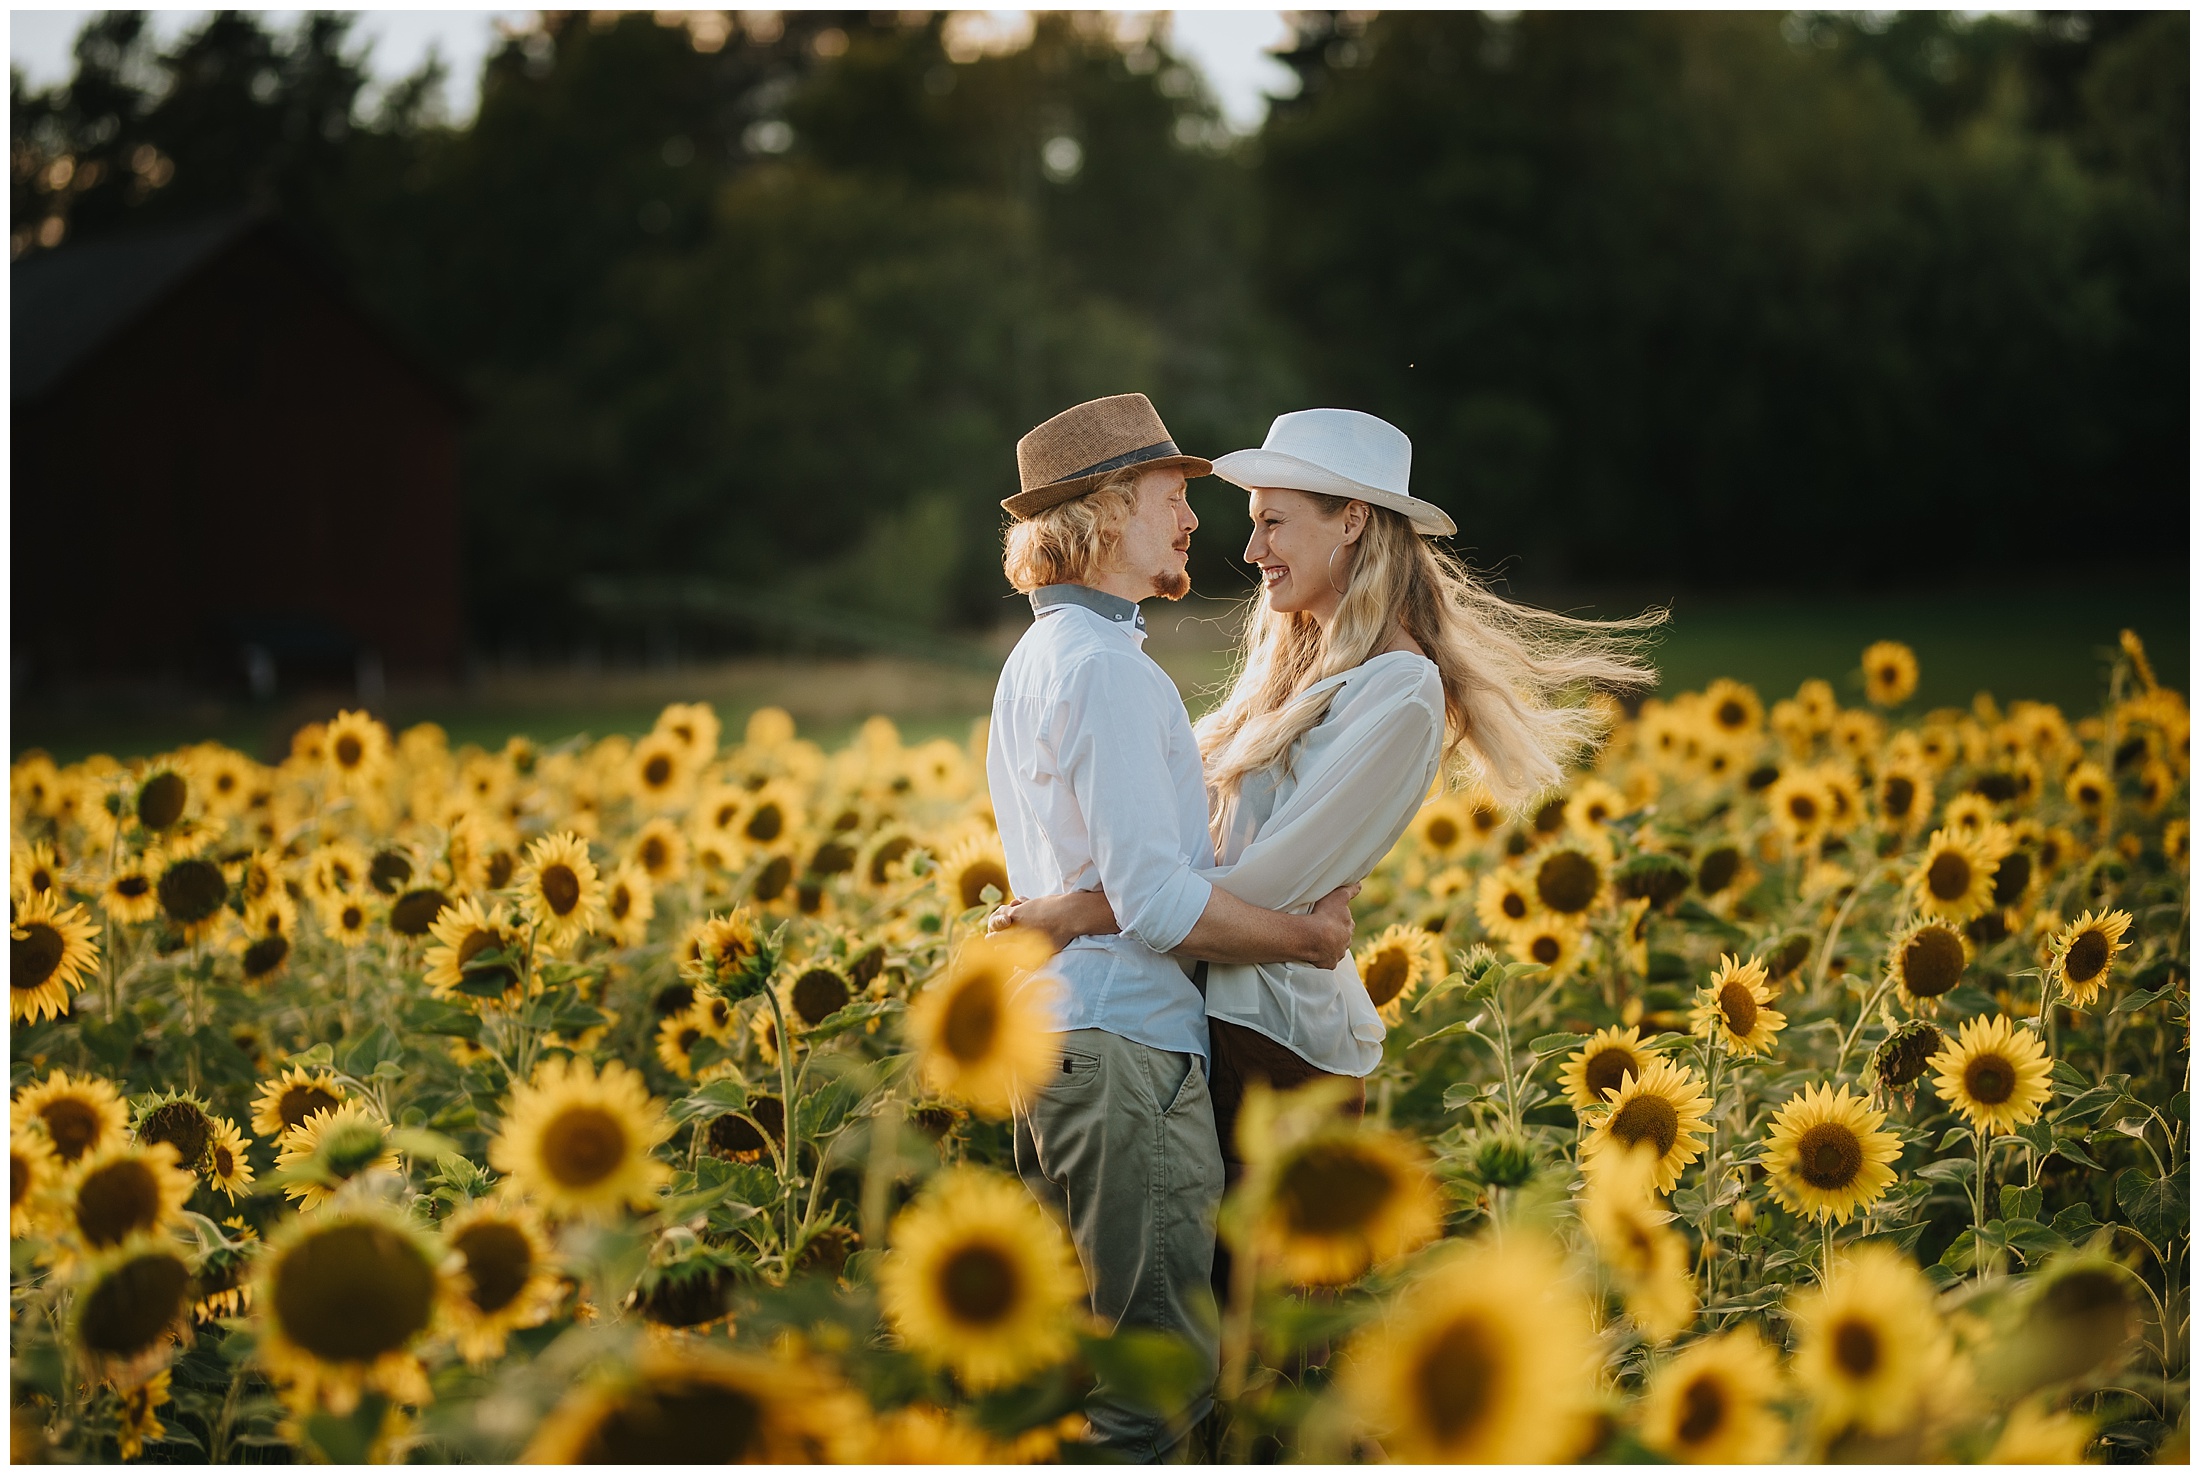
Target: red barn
(225, 473)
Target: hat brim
(1033, 500)
(1257, 468)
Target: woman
(1374, 660)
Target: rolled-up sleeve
(1113, 728)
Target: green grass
(2049, 645)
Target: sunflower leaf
(1558, 1044)
(1457, 1027)
(2157, 1207)
(853, 1016)
(2071, 1148)
(2132, 1003)
(1153, 1369)
(712, 1100)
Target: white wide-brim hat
(1338, 453)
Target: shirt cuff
(1169, 916)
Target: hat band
(1153, 452)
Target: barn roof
(68, 303)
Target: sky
(1228, 45)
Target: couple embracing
(1195, 881)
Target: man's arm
(1234, 931)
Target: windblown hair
(1513, 675)
(1071, 542)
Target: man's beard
(1172, 586)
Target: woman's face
(1296, 548)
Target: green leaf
(1457, 1027)
(2076, 1222)
(347, 1440)
(2072, 1149)
(2070, 1076)
(1154, 1370)
(2019, 1203)
(2090, 1104)
(2032, 1239)
(2157, 1207)
(421, 1144)
(854, 1016)
(1948, 1170)
(2133, 1003)
(712, 1100)
(320, 1057)
(1558, 1044)
(431, 1016)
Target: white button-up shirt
(1096, 781)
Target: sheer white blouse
(1323, 818)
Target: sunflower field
(1804, 1082)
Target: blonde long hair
(1512, 674)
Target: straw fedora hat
(1076, 450)
(1338, 453)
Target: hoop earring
(1330, 569)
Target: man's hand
(1331, 936)
(1062, 919)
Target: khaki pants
(1121, 1147)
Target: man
(1096, 782)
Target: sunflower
(1664, 1106)
(1995, 1073)
(695, 726)
(978, 1279)
(721, 951)
(688, 1406)
(1568, 879)
(1826, 1153)
(2177, 845)
(1594, 805)
(293, 1097)
(629, 902)
(346, 920)
(559, 892)
(1713, 1404)
(194, 894)
(1486, 1358)
(660, 770)
(2089, 789)
(970, 868)
(1551, 941)
(1927, 961)
(1336, 1203)
(499, 1260)
(1723, 873)
(983, 1029)
(50, 950)
(1735, 1008)
(357, 751)
(1504, 902)
(2036, 1435)
(33, 1170)
(1967, 814)
(227, 1168)
(884, 860)
(677, 1036)
(181, 1121)
(133, 1303)
(1732, 710)
(1903, 792)
(124, 1189)
(1890, 673)
(1397, 965)
(344, 1298)
(33, 869)
(925, 1434)
(1442, 829)
(2084, 952)
(1955, 878)
(1605, 1063)
(816, 994)
(1634, 1235)
(330, 1148)
(336, 869)
(579, 1143)
(414, 913)
(1869, 1341)
(160, 797)
(479, 954)
(79, 1114)
(1801, 806)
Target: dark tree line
(1733, 299)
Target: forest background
(1880, 314)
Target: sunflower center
(1703, 1410)
(1802, 809)
(354, 917)
(1513, 905)
(1545, 949)
(1738, 1007)
(261, 958)
(819, 994)
(973, 1019)
(1856, 1348)
(1443, 833)
(2087, 957)
(979, 1284)
(412, 914)
(133, 1306)
(160, 802)
(299, 1103)
(116, 1201)
(886, 855)
(1949, 876)
(678, 1424)
(657, 772)
(33, 957)
(1829, 1156)
(833, 858)
(1718, 870)
(1455, 1378)
(1731, 715)
(479, 941)
(1647, 1118)
(501, 865)
(1386, 974)
(182, 1126)
(1333, 1188)
(130, 888)
(1898, 795)
(1608, 1070)
(653, 854)
(2011, 878)
(1932, 962)
(774, 878)
(560, 888)
(621, 902)
(193, 890)
(766, 824)
(978, 875)
(72, 1125)
(1989, 1080)
(353, 1292)
(349, 751)
(498, 1262)
(583, 1145)
(1567, 881)
(225, 1162)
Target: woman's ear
(1355, 522)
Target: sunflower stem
(1985, 1138)
(791, 1158)
(1237, 1344)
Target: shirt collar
(1108, 606)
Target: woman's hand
(1060, 919)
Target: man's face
(1157, 542)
